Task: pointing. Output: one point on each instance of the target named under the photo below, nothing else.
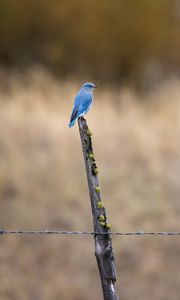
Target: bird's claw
(83, 118)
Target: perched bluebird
(82, 102)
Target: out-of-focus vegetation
(42, 177)
(43, 185)
(104, 39)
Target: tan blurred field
(43, 186)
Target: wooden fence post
(103, 243)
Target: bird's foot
(82, 118)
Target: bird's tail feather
(74, 116)
(71, 123)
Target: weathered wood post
(103, 244)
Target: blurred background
(131, 50)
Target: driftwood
(103, 243)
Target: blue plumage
(82, 102)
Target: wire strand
(59, 232)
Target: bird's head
(88, 86)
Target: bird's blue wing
(78, 99)
(85, 102)
(81, 105)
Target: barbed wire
(59, 232)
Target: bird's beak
(95, 86)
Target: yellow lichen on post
(89, 132)
(102, 218)
(103, 224)
(108, 225)
(100, 204)
(95, 171)
(98, 189)
(91, 156)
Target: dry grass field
(43, 185)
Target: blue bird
(82, 102)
